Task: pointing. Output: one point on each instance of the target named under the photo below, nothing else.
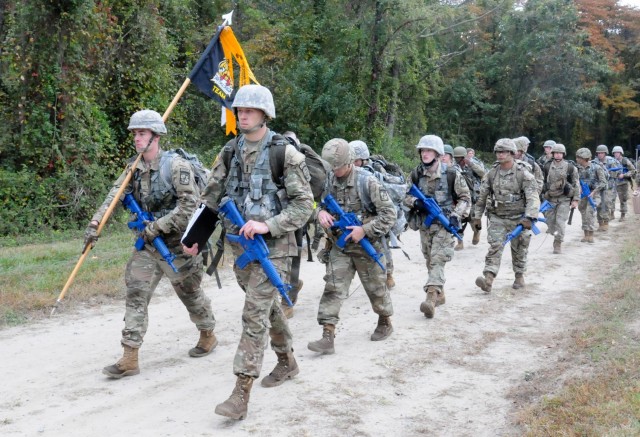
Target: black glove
(91, 235)
(455, 222)
(526, 222)
(150, 232)
(417, 204)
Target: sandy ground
(454, 375)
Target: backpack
(471, 183)
(318, 167)
(200, 172)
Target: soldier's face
(519, 154)
(503, 156)
(141, 138)
(601, 155)
(618, 155)
(558, 156)
(249, 117)
(358, 162)
(342, 171)
(427, 155)
(547, 150)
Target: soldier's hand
(574, 204)
(455, 222)
(526, 222)
(476, 224)
(325, 219)
(150, 232)
(91, 234)
(417, 204)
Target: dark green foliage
(384, 71)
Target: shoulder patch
(185, 176)
(305, 170)
(384, 195)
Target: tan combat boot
(519, 282)
(325, 344)
(428, 307)
(440, 299)
(390, 281)
(126, 366)
(476, 238)
(485, 282)
(557, 246)
(285, 369)
(383, 330)
(236, 406)
(605, 226)
(585, 238)
(206, 344)
(459, 246)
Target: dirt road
(452, 376)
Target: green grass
(607, 401)
(33, 272)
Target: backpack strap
(451, 181)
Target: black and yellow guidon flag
(213, 74)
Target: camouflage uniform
(146, 267)
(561, 189)
(507, 196)
(623, 185)
(595, 176)
(608, 195)
(343, 264)
(261, 308)
(436, 242)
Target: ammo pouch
(567, 190)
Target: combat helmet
(459, 152)
(617, 149)
(431, 142)
(360, 149)
(583, 153)
(505, 145)
(549, 143)
(256, 97)
(522, 144)
(148, 119)
(448, 149)
(559, 148)
(337, 153)
(602, 148)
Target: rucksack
(200, 172)
(318, 167)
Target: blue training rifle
(142, 218)
(349, 219)
(254, 250)
(434, 212)
(544, 207)
(586, 191)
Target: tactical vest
(507, 201)
(443, 192)
(589, 175)
(157, 199)
(255, 193)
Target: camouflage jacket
(172, 211)
(433, 185)
(594, 175)
(508, 194)
(560, 182)
(298, 198)
(378, 213)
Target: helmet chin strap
(153, 137)
(428, 164)
(254, 128)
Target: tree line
(384, 71)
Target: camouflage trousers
(611, 201)
(497, 231)
(437, 248)
(623, 195)
(261, 313)
(142, 275)
(604, 207)
(557, 217)
(588, 213)
(388, 256)
(341, 269)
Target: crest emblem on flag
(222, 81)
